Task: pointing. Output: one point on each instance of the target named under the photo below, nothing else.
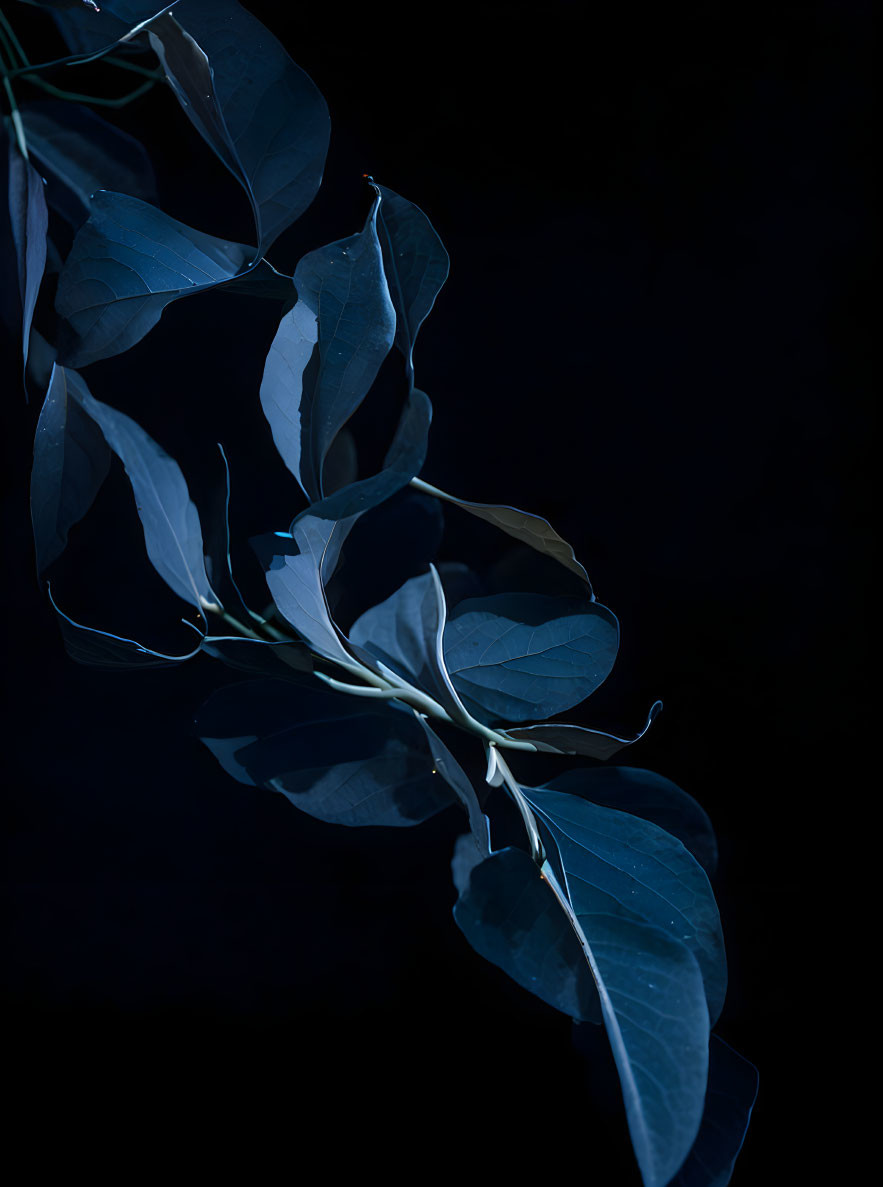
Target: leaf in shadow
(71, 460)
(93, 29)
(649, 872)
(520, 656)
(729, 1099)
(510, 917)
(478, 838)
(80, 153)
(29, 219)
(331, 755)
(327, 351)
(560, 738)
(260, 657)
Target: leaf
(457, 779)
(29, 219)
(80, 153)
(510, 917)
(276, 120)
(521, 656)
(259, 657)
(172, 532)
(128, 261)
(729, 1099)
(416, 266)
(298, 566)
(332, 756)
(529, 529)
(560, 738)
(405, 634)
(96, 29)
(327, 351)
(71, 460)
(644, 869)
(651, 796)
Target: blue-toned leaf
(98, 28)
(729, 1099)
(327, 351)
(559, 738)
(80, 153)
(332, 755)
(172, 533)
(530, 529)
(405, 634)
(416, 266)
(260, 657)
(521, 656)
(71, 460)
(101, 649)
(510, 917)
(645, 869)
(651, 796)
(298, 566)
(457, 779)
(29, 219)
(128, 261)
(276, 119)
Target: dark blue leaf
(645, 869)
(560, 738)
(71, 460)
(520, 656)
(416, 266)
(93, 29)
(457, 779)
(732, 1089)
(510, 917)
(521, 525)
(345, 318)
(651, 796)
(128, 261)
(276, 120)
(29, 219)
(101, 649)
(172, 531)
(80, 153)
(332, 756)
(298, 566)
(260, 657)
(405, 634)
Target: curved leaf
(101, 649)
(510, 917)
(29, 219)
(327, 351)
(644, 869)
(332, 756)
(521, 656)
(71, 460)
(560, 738)
(450, 770)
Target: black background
(653, 334)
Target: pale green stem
(537, 851)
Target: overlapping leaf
(334, 757)
(29, 220)
(560, 738)
(96, 28)
(520, 656)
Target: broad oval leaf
(510, 917)
(520, 656)
(327, 351)
(560, 738)
(333, 756)
(29, 219)
(646, 870)
(172, 532)
(71, 460)
(128, 261)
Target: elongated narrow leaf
(729, 1099)
(559, 738)
(510, 917)
(172, 532)
(71, 460)
(521, 525)
(79, 153)
(416, 266)
(29, 219)
(645, 869)
(260, 657)
(275, 117)
(327, 351)
(128, 261)
(298, 566)
(335, 757)
(405, 634)
(457, 779)
(520, 656)
(651, 796)
(96, 28)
